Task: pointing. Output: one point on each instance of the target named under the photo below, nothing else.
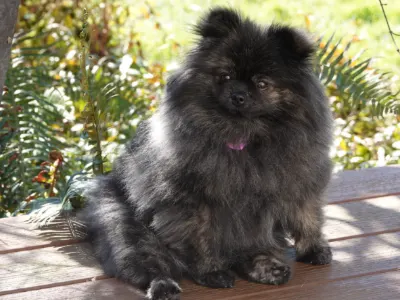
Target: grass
(358, 20)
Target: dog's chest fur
(231, 205)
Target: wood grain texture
(96, 290)
(26, 270)
(342, 220)
(364, 217)
(375, 287)
(46, 266)
(366, 183)
(16, 234)
(355, 263)
(351, 258)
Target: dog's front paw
(163, 289)
(217, 279)
(268, 270)
(317, 256)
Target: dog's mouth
(230, 111)
(237, 146)
(239, 143)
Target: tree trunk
(8, 18)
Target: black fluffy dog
(235, 161)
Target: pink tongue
(239, 146)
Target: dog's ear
(293, 43)
(218, 23)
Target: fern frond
(356, 83)
(92, 122)
(43, 211)
(26, 132)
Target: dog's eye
(225, 77)
(261, 85)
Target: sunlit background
(79, 84)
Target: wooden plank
(36, 269)
(375, 287)
(16, 234)
(342, 280)
(343, 220)
(365, 183)
(351, 258)
(100, 289)
(47, 267)
(364, 217)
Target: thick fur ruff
(180, 202)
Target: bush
(80, 83)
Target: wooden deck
(363, 226)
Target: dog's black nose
(238, 98)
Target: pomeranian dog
(234, 162)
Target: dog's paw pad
(269, 271)
(321, 256)
(163, 289)
(217, 279)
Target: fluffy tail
(126, 248)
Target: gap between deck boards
(284, 288)
(58, 243)
(56, 284)
(333, 202)
(75, 241)
(49, 244)
(349, 237)
(281, 289)
(66, 242)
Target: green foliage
(81, 82)
(354, 82)
(92, 111)
(45, 210)
(69, 94)
(364, 107)
(29, 122)
(365, 14)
